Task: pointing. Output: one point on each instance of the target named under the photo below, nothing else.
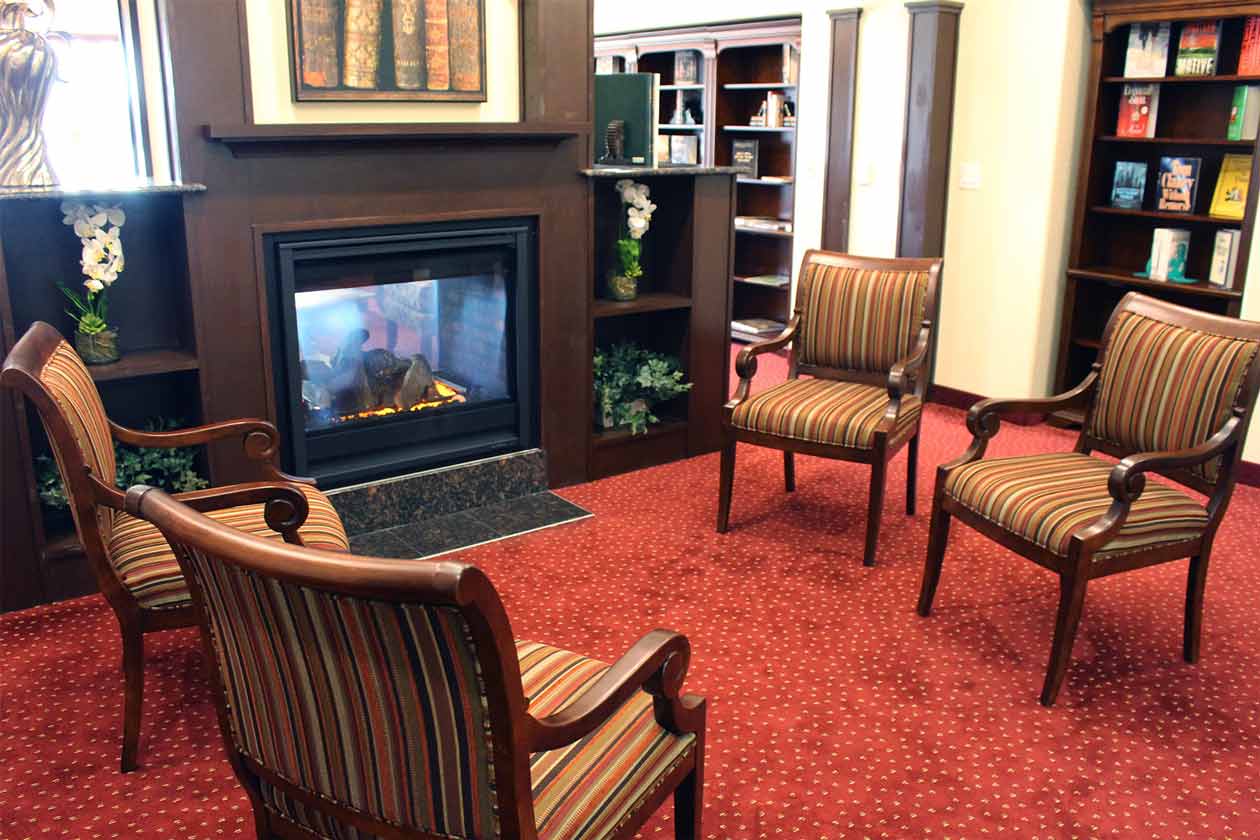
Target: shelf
(62, 547)
(777, 234)
(1193, 218)
(1117, 276)
(1090, 343)
(145, 363)
(667, 88)
(780, 129)
(762, 182)
(758, 86)
(1180, 141)
(1180, 80)
(623, 437)
(779, 289)
(650, 302)
(672, 127)
(243, 137)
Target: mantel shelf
(246, 136)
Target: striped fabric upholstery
(146, 564)
(858, 319)
(1167, 387)
(823, 411)
(1046, 498)
(586, 790)
(67, 379)
(375, 706)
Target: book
(632, 98)
(362, 43)
(437, 45)
(765, 223)
(464, 27)
(1229, 200)
(605, 64)
(1139, 110)
(757, 326)
(777, 281)
(1169, 249)
(744, 157)
(1147, 56)
(686, 67)
(1178, 184)
(662, 148)
(320, 20)
(1197, 50)
(684, 150)
(408, 18)
(1244, 113)
(1128, 189)
(774, 109)
(791, 64)
(1224, 258)
(1249, 55)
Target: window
(91, 123)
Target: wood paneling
(840, 123)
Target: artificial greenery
(630, 381)
(629, 252)
(170, 469)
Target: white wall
(273, 99)
(1251, 311)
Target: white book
(1169, 247)
(1224, 258)
(1147, 55)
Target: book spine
(1237, 113)
(1219, 275)
(465, 44)
(319, 21)
(1159, 254)
(1235, 239)
(363, 43)
(437, 48)
(408, 52)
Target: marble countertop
(133, 186)
(652, 172)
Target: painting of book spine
(388, 50)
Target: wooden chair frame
(657, 664)
(908, 376)
(1125, 484)
(86, 492)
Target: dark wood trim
(241, 137)
(933, 59)
(845, 27)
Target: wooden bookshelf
(1111, 245)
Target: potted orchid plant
(636, 218)
(99, 229)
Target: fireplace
(404, 347)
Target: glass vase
(97, 348)
(621, 287)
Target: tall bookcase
(739, 64)
(1110, 245)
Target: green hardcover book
(632, 98)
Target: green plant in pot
(635, 219)
(99, 229)
(629, 382)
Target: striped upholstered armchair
(1170, 394)
(862, 332)
(135, 568)
(364, 698)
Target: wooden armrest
(746, 361)
(657, 663)
(1126, 481)
(904, 374)
(260, 440)
(985, 417)
(285, 507)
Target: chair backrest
(861, 313)
(1169, 378)
(49, 373)
(354, 694)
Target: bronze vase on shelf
(28, 68)
(97, 348)
(621, 287)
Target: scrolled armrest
(285, 507)
(985, 417)
(903, 376)
(1126, 481)
(746, 361)
(657, 664)
(259, 440)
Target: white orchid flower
(98, 218)
(94, 285)
(115, 215)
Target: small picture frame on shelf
(744, 158)
(686, 67)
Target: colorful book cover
(1178, 183)
(1229, 201)
(1147, 55)
(1139, 110)
(1249, 55)
(1128, 190)
(1244, 113)
(1196, 52)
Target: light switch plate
(969, 176)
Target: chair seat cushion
(1045, 498)
(147, 565)
(586, 790)
(824, 411)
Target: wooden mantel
(244, 136)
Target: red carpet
(835, 710)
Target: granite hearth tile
(444, 533)
(434, 493)
(381, 544)
(528, 513)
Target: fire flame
(448, 396)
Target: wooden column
(929, 124)
(840, 119)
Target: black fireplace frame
(403, 443)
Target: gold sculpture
(28, 68)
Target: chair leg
(874, 511)
(938, 539)
(789, 471)
(912, 473)
(133, 697)
(688, 806)
(725, 483)
(1197, 580)
(1071, 604)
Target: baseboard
(1248, 471)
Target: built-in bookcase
(1111, 245)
